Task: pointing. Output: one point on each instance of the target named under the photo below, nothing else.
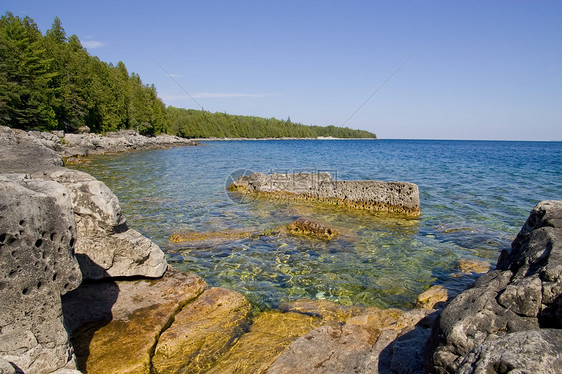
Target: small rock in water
(431, 297)
(312, 228)
(473, 266)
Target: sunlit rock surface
(516, 305)
(400, 198)
(202, 332)
(37, 266)
(117, 324)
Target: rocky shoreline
(84, 293)
(79, 145)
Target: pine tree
(25, 99)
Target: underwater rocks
(467, 266)
(433, 296)
(117, 324)
(312, 228)
(399, 198)
(202, 332)
(270, 334)
(37, 266)
(519, 304)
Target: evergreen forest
(50, 82)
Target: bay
(475, 196)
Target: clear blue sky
(478, 69)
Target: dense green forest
(200, 124)
(50, 82)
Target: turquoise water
(475, 196)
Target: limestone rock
(202, 332)
(120, 322)
(392, 197)
(105, 246)
(431, 297)
(328, 311)
(518, 300)
(114, 142)
(473, 266)
(312, 228)
(365, 344)
(22, 152)
(37, 265)
(520, 352)
(6, 367)
(271, 332)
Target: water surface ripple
(475, 195)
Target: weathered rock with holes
(399, 198)
(105, 246)
(312, 228)
(37, 266)
(512, 305)
(22, 152)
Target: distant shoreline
(237, 139)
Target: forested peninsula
(50, 82)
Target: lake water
(475, 196)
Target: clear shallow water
(475, 196)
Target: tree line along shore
(50, 82)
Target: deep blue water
(475, 196)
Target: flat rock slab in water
(400, 198)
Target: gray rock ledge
(401, 198)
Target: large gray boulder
(105, 246)
(22, 152)
(37, 266)
(514, 307)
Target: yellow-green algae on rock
(141, 311)
(202, 332)
(270, 334)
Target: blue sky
(476, 69)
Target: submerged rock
(328, 311)
(467, 266)
(37, 266)
(116, 325)
(512, 305)
(270, 334)
(432, 297)
(211, 238)
(309, 227)
(400, 198)
(202, 332)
